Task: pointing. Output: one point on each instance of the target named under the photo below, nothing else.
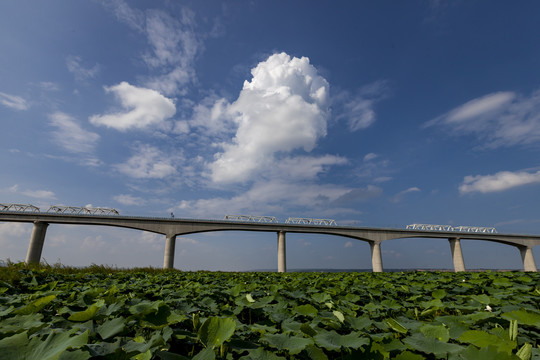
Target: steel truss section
(82, 210)
(430, 227)
(252, 218)
(309, 221)
(461, 228)
(19, 207)
(476, 229)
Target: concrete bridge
(172, 228)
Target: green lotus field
(53, 312)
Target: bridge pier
(168, 259)
(33, 256)
(282, 252)
(528, 258)
(376, 257)
(457, 254)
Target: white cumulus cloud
(142, 108)
(70, 135)
(283, 108)
(13, 102)
(268, 137)
(497, 182)
(498, 119)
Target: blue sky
(369, 113)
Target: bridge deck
(179, 226)
(172, 227)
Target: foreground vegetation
(54, 312)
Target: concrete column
(281, 252)
(33, 256)
(528, 258)
(376, 258)
(168, 259)
(457, 255)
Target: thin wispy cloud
(37, 194)
(174, 45)
(172, 39)
(304, 167)
(126, 199)
(86, 160)
(501, 181)
(358, 109)
(13, 102)
(81, 73)
(134, 18)
(370, 156)
(70, 135)
(148, 163)
(267, 197)
(373, 168)
(211, 119)
(399, 196)
(174, 48)
(358, 195)
(13, 229)
(497, 119)
(48, 86)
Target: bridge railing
(310, 221)
(252, 218)
(82, 210)
(461, 228)
(19, 207)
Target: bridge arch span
(287, 230)
(467, 236)
(172, 228)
